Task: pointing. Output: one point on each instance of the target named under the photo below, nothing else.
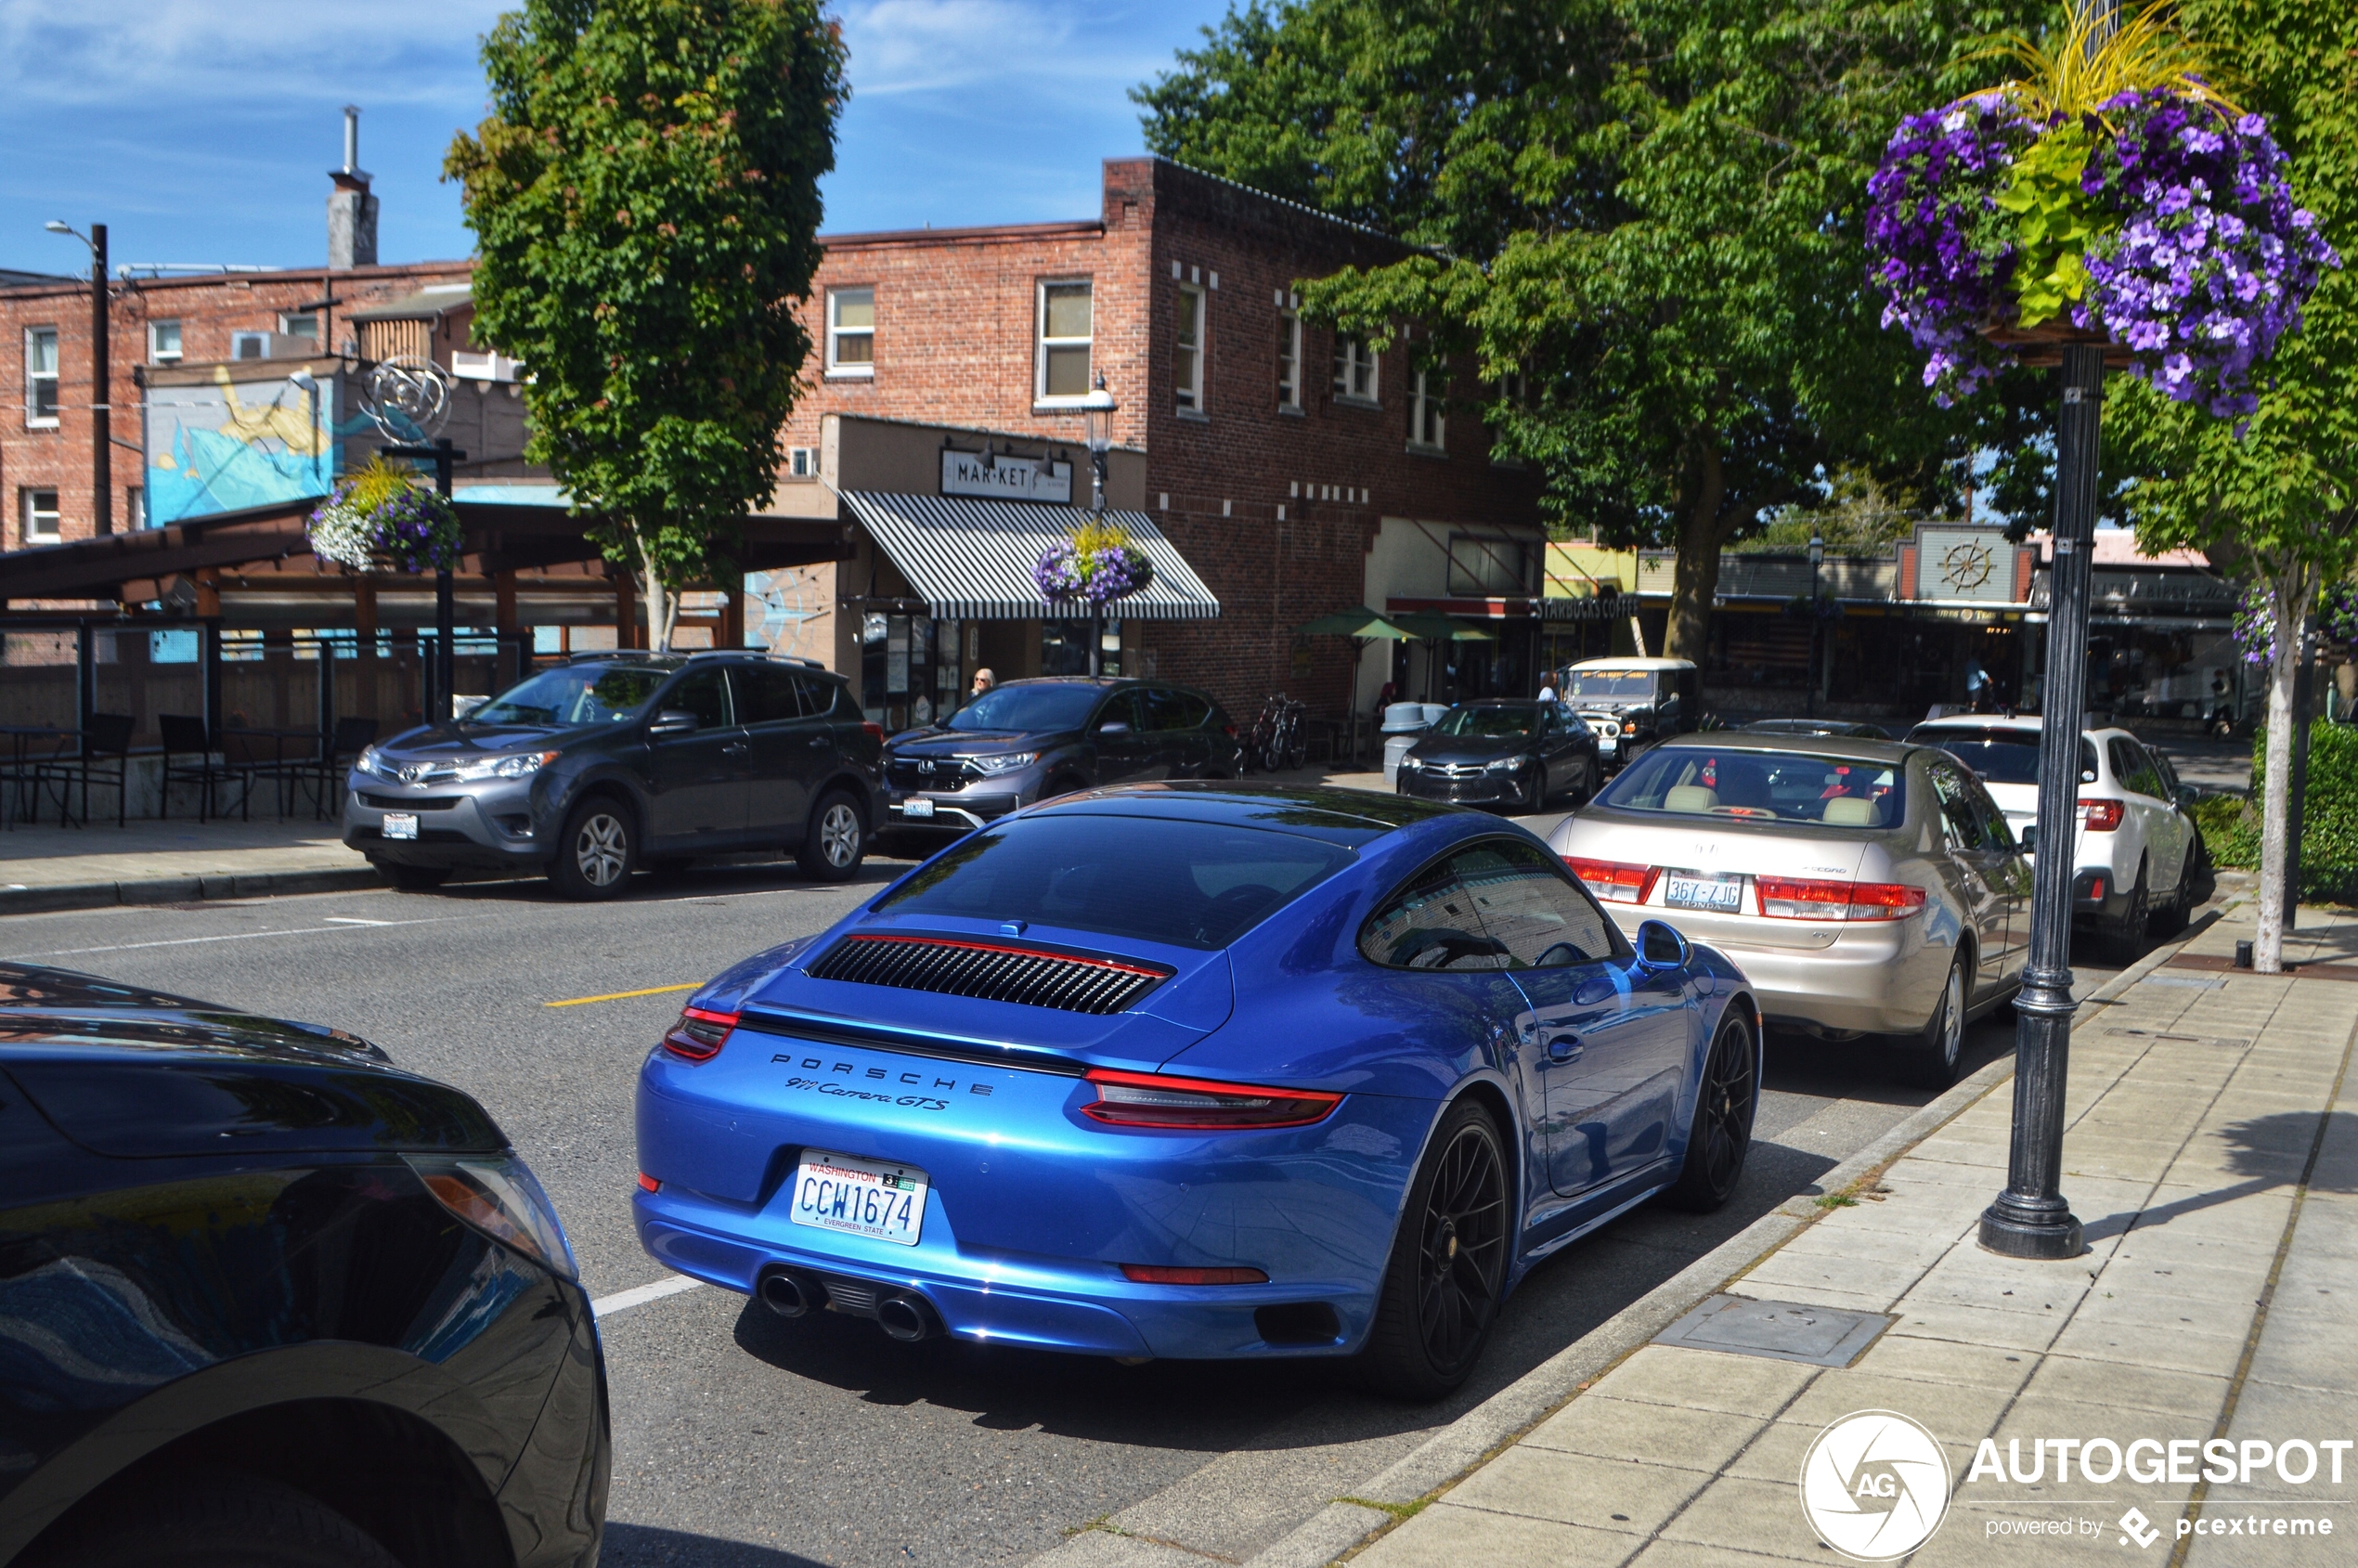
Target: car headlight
(1505, 765)
(522, 765)
(499, 1196)
(372, 762)
(1005, 763)
(1412, 762)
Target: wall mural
(251, 438)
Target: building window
(1354, 371)
(1427, 423)
(1186, 346)
(164, 343)
(1064, 342)
(38, 511)
(1289, 361)
(40, 383)
(802, 463)
(851, 332)
(299, 324)
(249, 345)
(135, 505)
(1488, 564)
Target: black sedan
(1499, 752)
(264, 1298)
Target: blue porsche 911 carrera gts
(1197, 1071)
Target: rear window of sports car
(1189, 884)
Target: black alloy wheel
(1720, 1134)
(2128, 936)
(1448, 1263)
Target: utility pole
(101, 399)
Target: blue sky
(201, 130)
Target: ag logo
(1876, 1486)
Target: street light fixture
(1098, 411)
(101, 407)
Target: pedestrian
(984, 681)
(1548, 688)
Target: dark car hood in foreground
(475, 740)
(939, 741)
(128, 1072)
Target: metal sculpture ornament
(1876, 1486)
(407, 397)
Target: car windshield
(1488, 723)
(2001, 757)
(1608, 683)
(1041, 709)
(1187, 883)
(1763, 786)
(574, 693)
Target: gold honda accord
(1864, 887)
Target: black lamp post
(446, 630)
(1816, 560)
(2031, 1219)
(101, 400)
(1097, 417)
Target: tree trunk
(1694, 580)
(663, 606)
(2289, 593)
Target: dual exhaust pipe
(902, 1315)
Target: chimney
(352, 212)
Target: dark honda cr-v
(1025, 741)
(614, 761)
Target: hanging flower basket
(2114, 200)
(382, 520)
(1097, 565)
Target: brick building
(1297, 474)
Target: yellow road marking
(623, 995)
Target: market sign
(1006, 478)
(1973, 564)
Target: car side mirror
(1113, 727)
(672, 721)
(2027, 838)
(1660, 946)
(2188, 795)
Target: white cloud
(902, 46)
(99, 52)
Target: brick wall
(1275, 508)
(208, 308)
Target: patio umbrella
(1359, 623)
(1427, 627)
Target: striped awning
(970, 559)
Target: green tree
(2274, 499)
(1651, 209)
(645, 200)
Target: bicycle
(1287, 743)
(1257, 739)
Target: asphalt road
(743, 1439)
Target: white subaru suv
(2138, 862)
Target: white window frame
(135, 505)
(34, 420)
(157, 354)
(27, 511)
(802, 463)
(857, 368)
(1354, 363)
(1289, 361)
(239, 339)
(1187, 358)
(299, 324)
(1428, 411)
(1043, 342)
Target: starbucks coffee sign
(1006, 478)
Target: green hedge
(2330, 819)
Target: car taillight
(699, 1034)
(1150, 1099)
(1616, 882)
(1786, 897)
(1155, 1273)
(2101, 816)
(648, 1184)
(874, 731)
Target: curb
(1474, 1437)
(186, 889)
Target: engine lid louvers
(990, 971)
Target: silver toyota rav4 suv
(615, 761)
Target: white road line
(355, 920)
(242, 937)
(623, 1300)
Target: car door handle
(817, 741)
(1565, 1048)
(736, 748)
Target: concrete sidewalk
(2211, 1154)
(44, 867)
